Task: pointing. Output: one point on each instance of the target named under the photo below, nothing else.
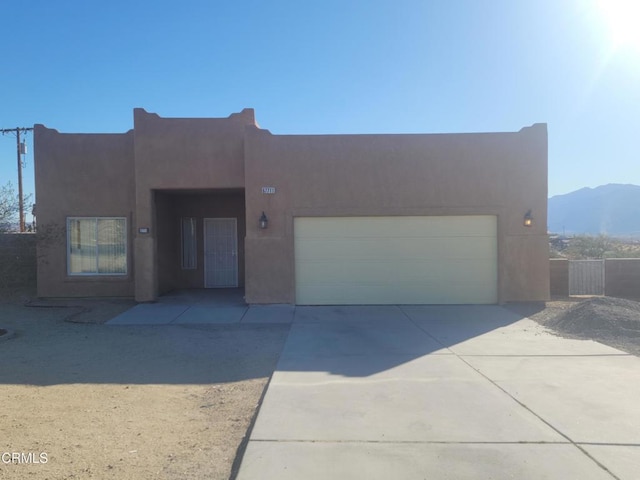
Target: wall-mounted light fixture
(263, 222)
(528, 219)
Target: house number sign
(268, 190)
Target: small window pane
(82, 246)
(189, 258)
(111, 246)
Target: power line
(21, 148)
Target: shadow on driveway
(378, 338)
(49, 351)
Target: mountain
(612, 209)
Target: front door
(220, 252)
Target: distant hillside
(612, 209)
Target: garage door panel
(327, 227)
(410, 248)
(388, 272)
(409, 294)
(387, 260)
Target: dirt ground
(612, 321)
(138, 403)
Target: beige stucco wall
(180, 154)
(168, 167)
(117, 175)
(80, 175)
(503, 174)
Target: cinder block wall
(559, 281)
(622, 277)
(17, 260)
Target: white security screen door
(220, 252)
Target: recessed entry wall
(396, 260)
(171, 208)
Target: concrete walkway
(419, 392)
(203, 307)
(182, 314)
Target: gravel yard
(612, 321)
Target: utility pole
(19, 151)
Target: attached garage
(396, 260)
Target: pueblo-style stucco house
(180, 203)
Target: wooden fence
(614, 277)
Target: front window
(97, 246)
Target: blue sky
(348, 66)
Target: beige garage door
(396, 260)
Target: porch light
(528, 219)
(263, 222)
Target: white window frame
(194, 241)
(96, 273)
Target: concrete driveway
(427, 392)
